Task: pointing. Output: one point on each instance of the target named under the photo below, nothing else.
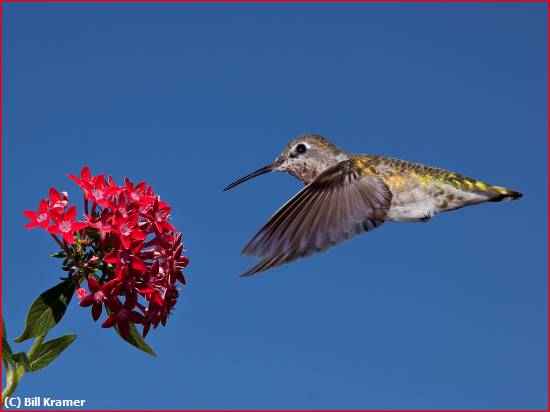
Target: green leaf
(48, 309)
(21, 359)
(7, 353)
(48, 351)
(60, 254)
(134, 338)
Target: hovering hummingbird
(347, 194)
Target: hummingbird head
(304, 158)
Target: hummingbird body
(420, 191)
(347, 194)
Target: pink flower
(65, 225)
(81, 293)
(58, 201)
(127, 229)
(129, 251)
(85, 179)
(40, 218)
(158, 215)
(102, 223)
(98, 295)
(122, 315)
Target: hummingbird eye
(301, 148)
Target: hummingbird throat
(307, 169)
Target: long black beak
(262, 171)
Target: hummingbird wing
(342, 202)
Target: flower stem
(64, 247)
(35, 345)
(13, 376)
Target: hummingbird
(346, 194)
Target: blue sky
(448, 314)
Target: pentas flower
(126, 258)
(85, 178)
(134, 194)
(127, 228)
(81, 293)
(98, 295)
(126, 250)
(123, 315)
(102, 223)
(97, 191)
(58, 201)
(65, 224)
(40, 218)
(157, 215)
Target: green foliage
(47, 352)
(21, 358)
(47, 310)
(134, 338)
(7, 353)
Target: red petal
(43, 206)
(68, 237)
(93, 284)
(54, 194)
(132, 221)
(99, 180)
(164, 206)
(70, 214)
(76, 226)
(179, 276)
(158, 226)
(87, 300)
(138, 235)
(107, 287)
(136, 246)
(137, 264)
(121, 272)
(54, 229)
(155, 268)
(131, 301)
(146, 328)
(156, 298)
(96, 310)
(168, 226)
(136, 317)
(111, 257)
(55, 216)
(30, 225)
(110, 321)
(85, 173)
(30, 214)
(76, 179)
(124, 329)
(125, 241)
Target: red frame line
(293, 1)
(274, 1)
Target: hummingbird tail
(503, 194)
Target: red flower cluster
(126, 249)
